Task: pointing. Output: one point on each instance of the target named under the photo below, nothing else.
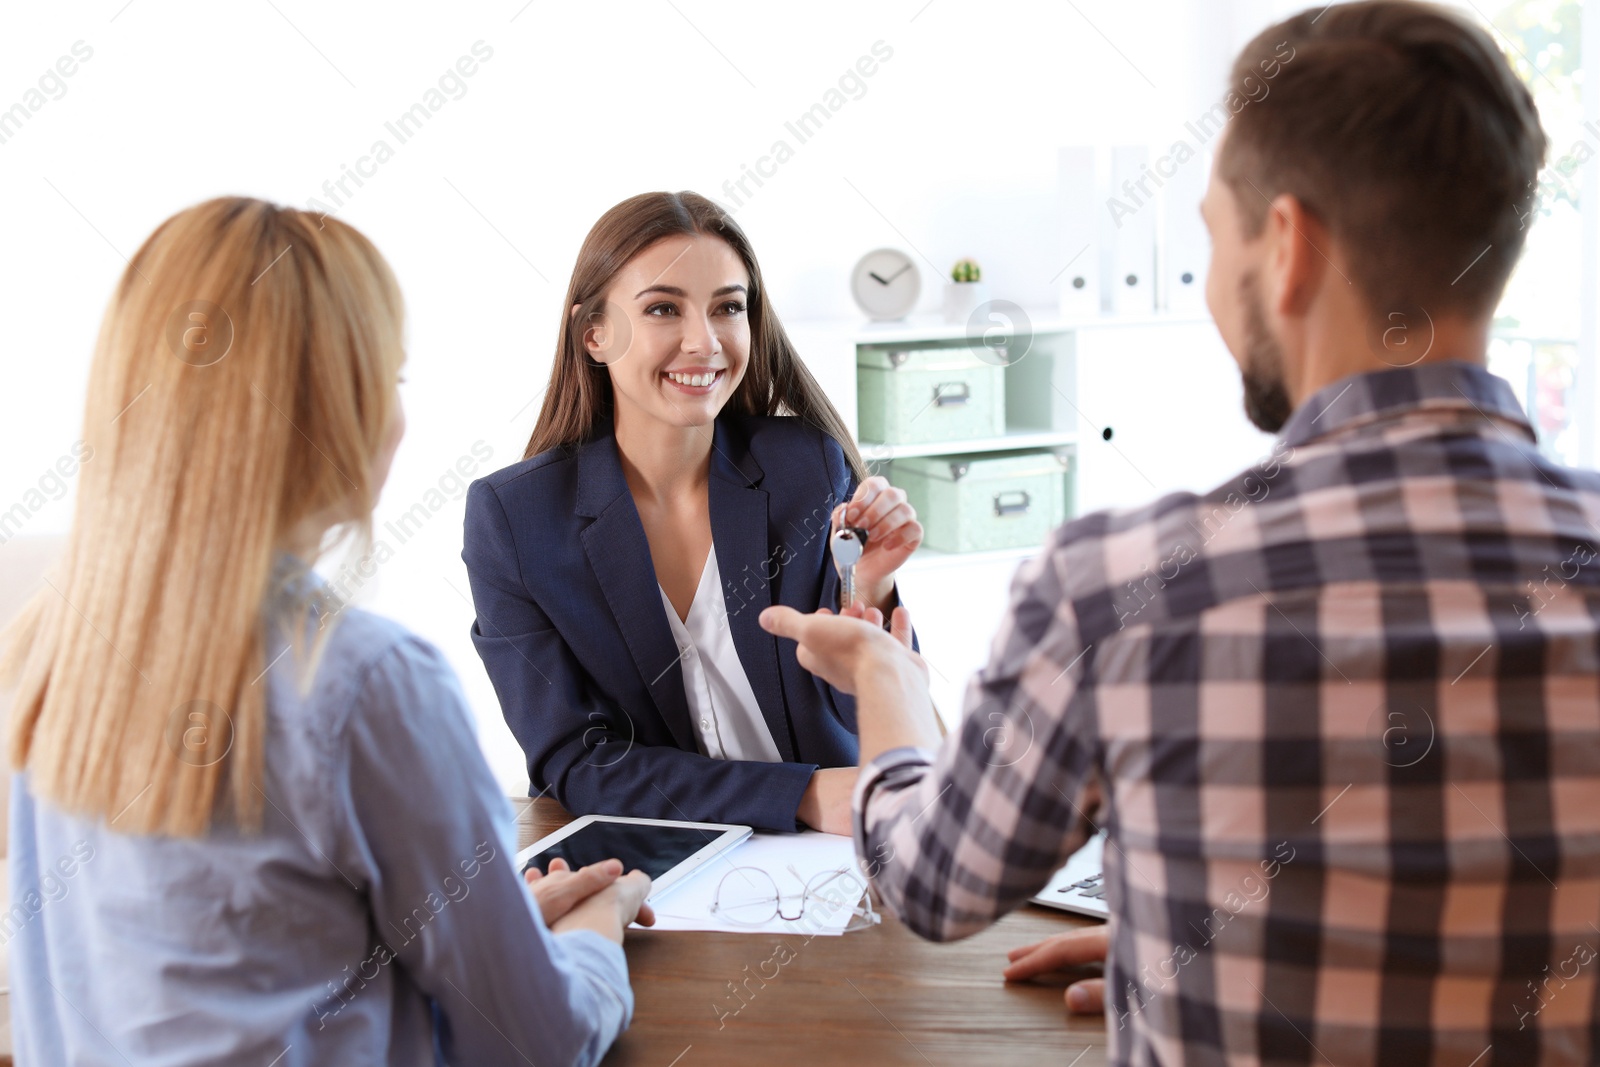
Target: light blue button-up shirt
(377, 917)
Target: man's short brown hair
(1404, 130)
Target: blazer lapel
(739, 531)
(619, 554)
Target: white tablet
(666, 850)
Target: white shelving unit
(1163, 384)
(828, 346)
(871, 451)
(930, 327)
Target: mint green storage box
(913, 396)
(986, 500)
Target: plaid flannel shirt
(1340, 720)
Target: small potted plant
(965, 292)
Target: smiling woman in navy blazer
(686, 471)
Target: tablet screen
(655, 850)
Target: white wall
(950, 151)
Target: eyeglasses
(748, 896)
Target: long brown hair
(579, 396)
(242, 385)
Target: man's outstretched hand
(1074, 948)
(839, 649)
(854, 654)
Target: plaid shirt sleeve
(958, 838)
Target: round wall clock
(885, 284)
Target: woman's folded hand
(563, 889)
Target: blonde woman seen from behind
(252, 825)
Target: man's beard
(1266, 401)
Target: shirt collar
(1376, 396)
(294, 587)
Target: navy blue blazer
(574, 635)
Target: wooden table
(878, 996)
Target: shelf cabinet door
(1161, 409)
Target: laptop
(1080, 886)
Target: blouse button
(705, 724)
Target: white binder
(1128, 223)
(1081, 203)
(1186, 247)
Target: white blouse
(727, 719)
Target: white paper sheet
(687, 905)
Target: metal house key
(847, 545)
